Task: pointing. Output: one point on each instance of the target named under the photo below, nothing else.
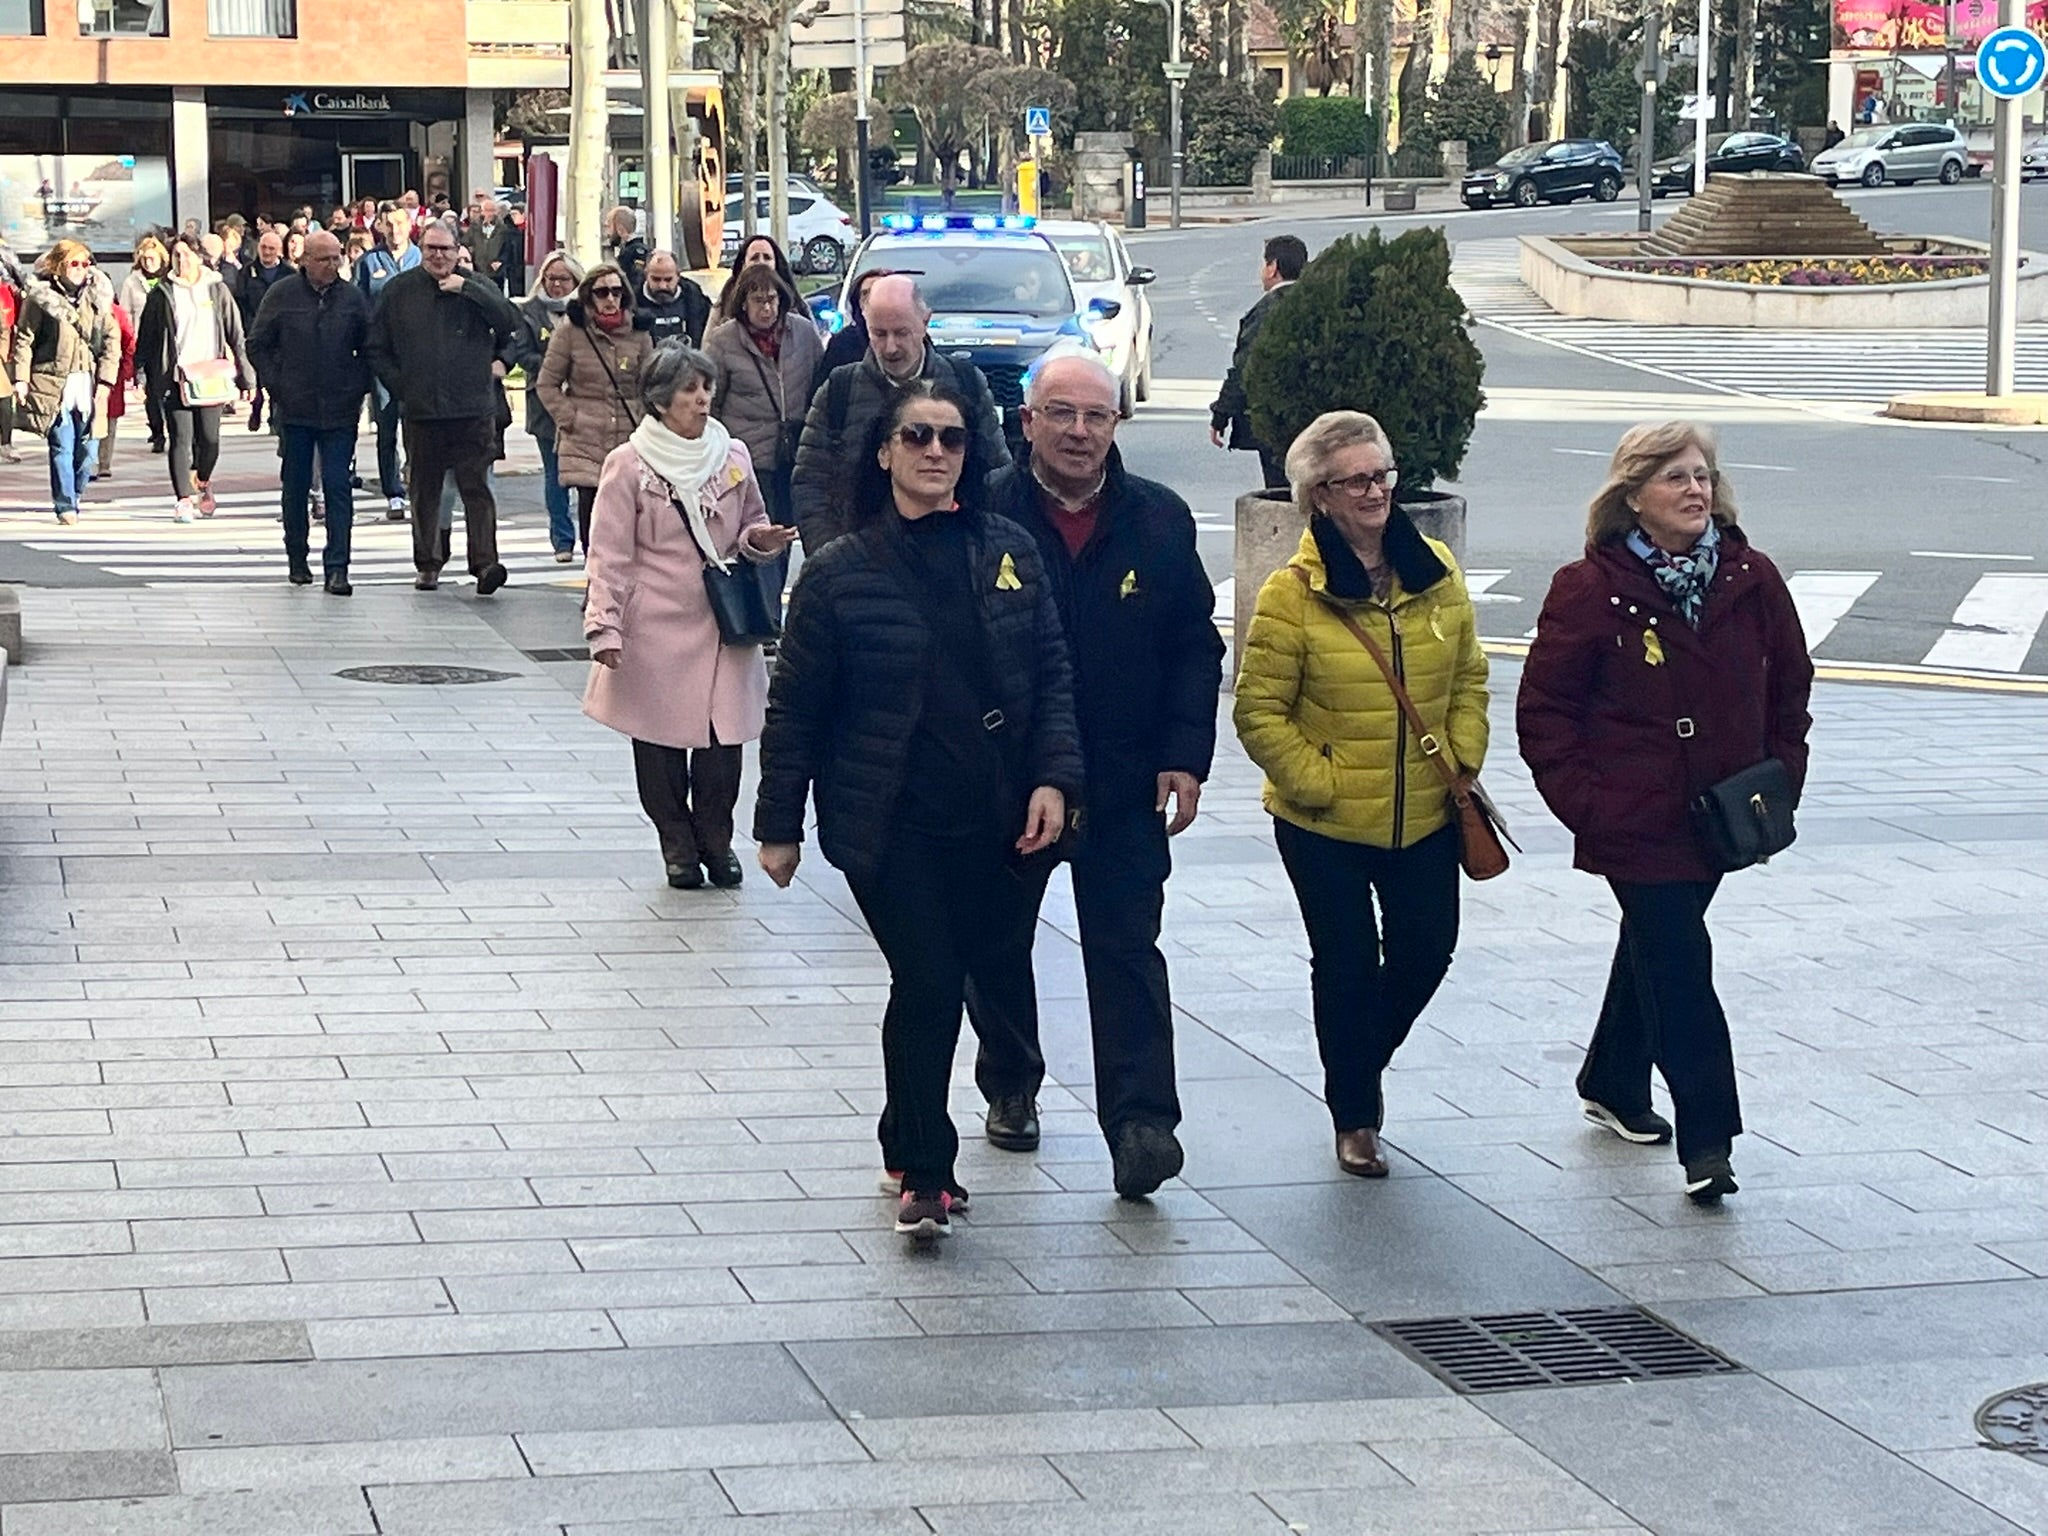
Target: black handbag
(738, 600)
(1746, 818)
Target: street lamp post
(1699, 128)
(1177, 73)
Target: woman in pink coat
(680, 491)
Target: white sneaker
(395, 511)
(183, 514)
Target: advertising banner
(1918, 26)
(107, 202)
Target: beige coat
(57, 336)
(757, 395)
(590, 387)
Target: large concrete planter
(1268, 533)
(1440, 515)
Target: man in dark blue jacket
(1148, 667)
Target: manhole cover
(2017, 1421)
(431, 676)
(1506, 1351)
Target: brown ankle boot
(1358, 1152)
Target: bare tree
(934, 82)
(1742, 87)
(1003, 93)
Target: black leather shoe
(724, 869)
(1145, 1157)
(492, 579)
(686, 877)
(339, 586)
(1012, 1123)
(301, 576)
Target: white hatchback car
(821, 234)
(1100, 268)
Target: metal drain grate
(429, 675)
(1505, 1351)
(2017, 1421)
(558, 653)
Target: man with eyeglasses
(439, 343)
(676, 309)
(844, 409)
(1136, 606)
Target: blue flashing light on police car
(940, 223)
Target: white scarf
(688, 465)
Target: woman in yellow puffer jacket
(1358, 809)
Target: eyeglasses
(428, 248)
(1363, 485)
(919, 434)
(608, 291)
(1684, 479)
(1062, 415)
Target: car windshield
(972, 278)
(1865, 138)
(1525, 153)
(1087, 257)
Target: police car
(998, 290)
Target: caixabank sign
(336, 104)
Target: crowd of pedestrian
(991, 667)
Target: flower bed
(1807, 272)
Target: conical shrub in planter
(1372, 325)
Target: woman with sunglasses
(1667, 659)
(67, 347)
(923, 695)
(1359, 810)
(590, 382)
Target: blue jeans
(74, 458)
(335, 446)
(561, 519)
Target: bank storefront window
(84, 167)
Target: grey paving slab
(1022, 1434)
(2010, 1485)
(874, 1485)
(1242, 1515)
(197, 1344)
(865, 1522)
(428, 1509)
(1056, 1314)
(1146, 1477)
(1370, 1421)
(574, 1452)
(1958, 1322)
(1681, 1457)
(66, 1475)
(1914, 1405)
(306, 1512)
(503, 1394)
(351, 1464)
(502, 1333)
(1551, 1507)
(1124, 1369)
(1408, 1248)
(80, 1410)
(298, 1303)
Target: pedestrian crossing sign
(1038, 121)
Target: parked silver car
(1902, 153)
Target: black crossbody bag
(738, 601)
(1746, 818)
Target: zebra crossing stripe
(1995, 625)
(1822, 597)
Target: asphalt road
(1825, 492)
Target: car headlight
(1500, 181)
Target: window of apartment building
(21, 18)
(124, 18)
(252, 18)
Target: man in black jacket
(1285, 257)
(438, 343)
(1136, 606)
(309, 344)
(675, 307)
(250, 282)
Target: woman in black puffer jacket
(923, 688)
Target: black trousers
(1370, 983)
(586, 507)
(689, 794)
(1119, 871)
(195, 445)
(464, 448)
(1274, 467)
(159, 434)
(939, 909)
(1661, 1011)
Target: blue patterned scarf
(1684, 578)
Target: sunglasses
(919, 434)
(608, 291)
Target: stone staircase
(1764, 213)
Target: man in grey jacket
(843, 412)
(438, 343)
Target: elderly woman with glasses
(1667, 659)
(1359, 810)
(589, 382)
(923, 694)
(679, 494)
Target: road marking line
(1781, 469)
(1822, 597)
(1996, 623)
(1957, 554)
(1981, 479)
(1585, 453)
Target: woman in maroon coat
(1666, 660)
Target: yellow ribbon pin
(1006, 577)
(1653, 648)
(1128, 585)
